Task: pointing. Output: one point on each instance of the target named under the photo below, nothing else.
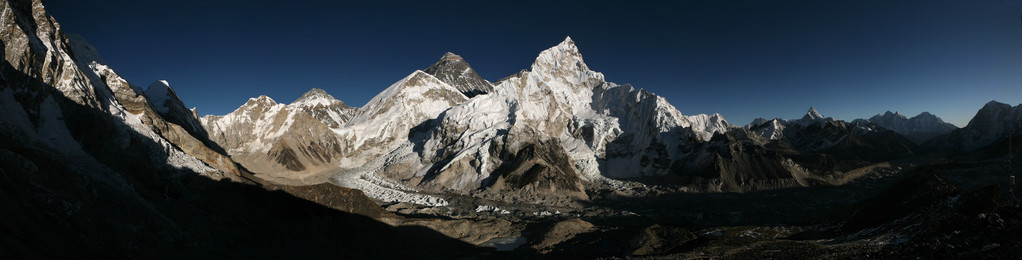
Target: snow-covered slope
(385, 120)
(559, 120)
(57, 89)
(919, 128)
(324, 107)
(166, 102)
(277, 139)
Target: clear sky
(742, 59)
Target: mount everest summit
(545, 134)
(552, 129)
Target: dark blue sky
(743, 59)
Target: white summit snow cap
(315, 97)
(813, 114)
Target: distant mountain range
(74, 132)
(919, 128)
(552, 132)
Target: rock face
(659, 239)
(455, 71)
(919, 128)
(993, 122)
(169, 105)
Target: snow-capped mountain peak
(315, 98)
(894, 114)
(918, 128)
(455, 71)
(417, 92)
(813, 114)
(158, 93)
(564, 57)
(811, 117)
(165, 101)
(260, 100)
(452, 56)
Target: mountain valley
(553, 161)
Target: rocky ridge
(919, 129)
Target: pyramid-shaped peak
(451, 56)
(455, 71)
(261, 99)
(315, 97)
(813, 113)
(161, 96)
(567, 41)
(567, 45)
(564, 57)
(315, 91)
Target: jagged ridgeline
(94, 166)
(547, 134)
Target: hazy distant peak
(812, 114)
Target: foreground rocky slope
(94, 167)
